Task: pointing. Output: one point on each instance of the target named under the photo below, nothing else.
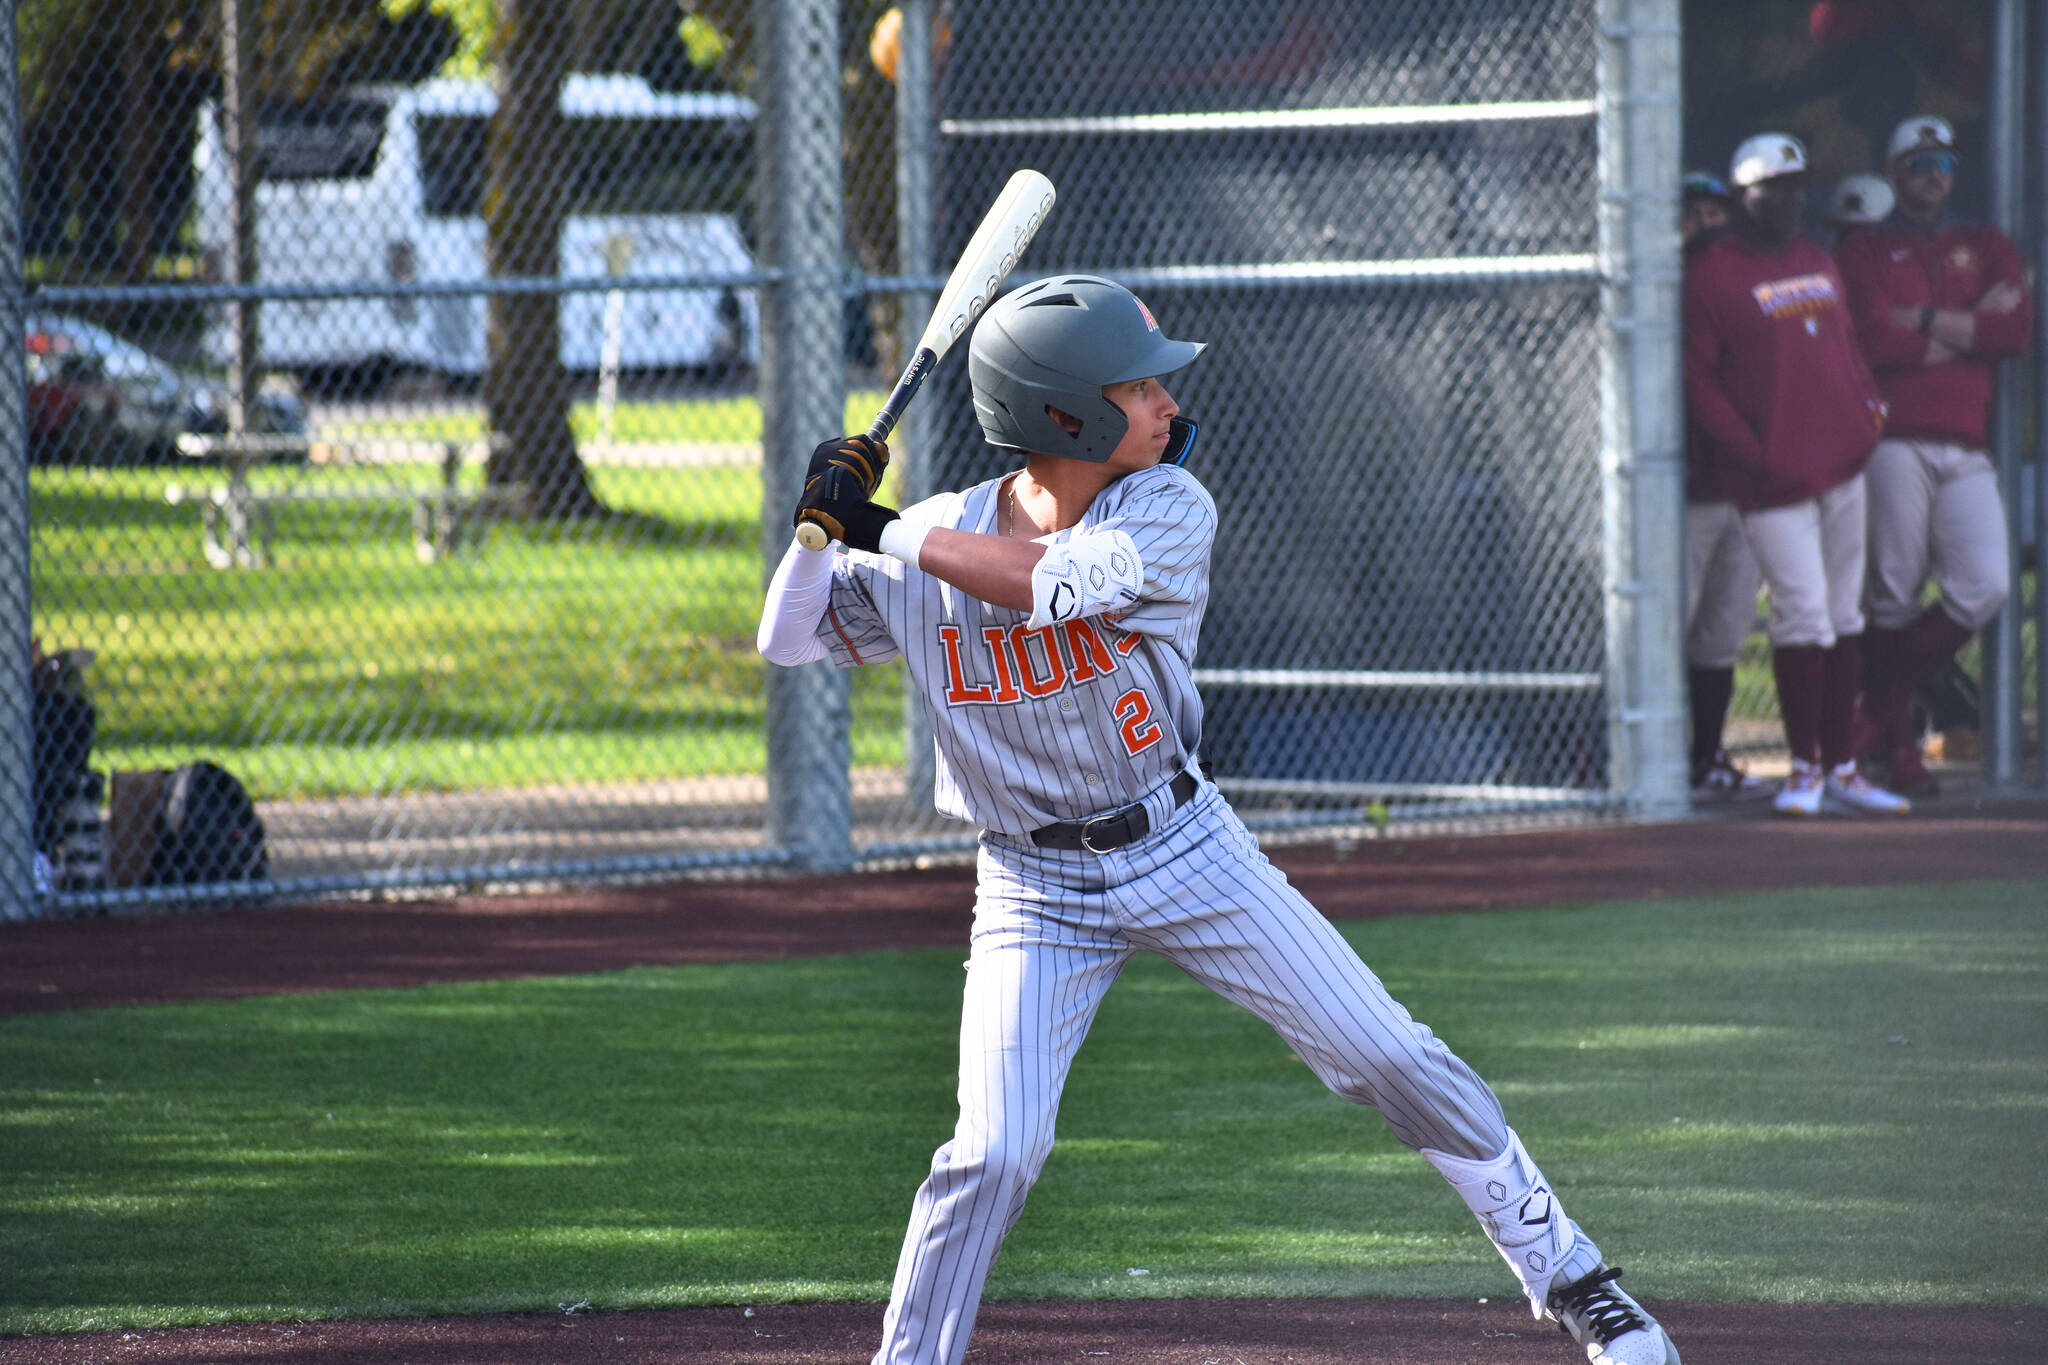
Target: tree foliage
(110, 94)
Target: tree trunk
(526, 387)
(139, 147)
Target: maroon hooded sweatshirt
(1773, 375)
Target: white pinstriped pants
(1052, 931)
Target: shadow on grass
(629, 529)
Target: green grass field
(729, 420)
(585, 653)
(1820, 1096)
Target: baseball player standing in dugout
(1721, 577)
(1938, 304)
(1048, 621)
(1790, 414)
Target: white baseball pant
(1811, 555)
(1721, 585)
(1935, 508)
(1052, 931)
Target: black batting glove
(861, 456)
(838, 501)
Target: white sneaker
(1614, 1328)
(1847, 787)
(1802, 790)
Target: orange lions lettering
(1023, 661)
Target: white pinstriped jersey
(1061, 722)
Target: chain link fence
(413, 404)
(1383, 219)
(395, 435)
(403, 404)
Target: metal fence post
(2038, 361)
(239, 43)
(1643, 422)
(17, 721)
(914, 252)
(2003, 643)
(803, 401)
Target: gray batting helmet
(1054, 343)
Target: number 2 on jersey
(1134, 721)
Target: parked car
(95, 397)
(71, 402)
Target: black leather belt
(1108, 833)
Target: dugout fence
(408, 415)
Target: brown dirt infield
(96, 963)
(1130, 1332)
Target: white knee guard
(1514, 1203)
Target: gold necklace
(1010, 511)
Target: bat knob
(812, 536)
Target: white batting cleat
(1848, 787)
(1614, 1328)
(1800, 796)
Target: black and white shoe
(1718, 781)
(1614, 1328)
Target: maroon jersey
(1950, 266)
(1773, 377)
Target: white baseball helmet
(1861, 199)
(1766, 157)
(1923, 134)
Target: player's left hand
(838, 501)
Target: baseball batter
(1048, 620)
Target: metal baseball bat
(991, 254)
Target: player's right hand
(861, 456)
(838, 501)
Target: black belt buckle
(1108, 833)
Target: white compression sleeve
(797, 597)
(904, 539)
